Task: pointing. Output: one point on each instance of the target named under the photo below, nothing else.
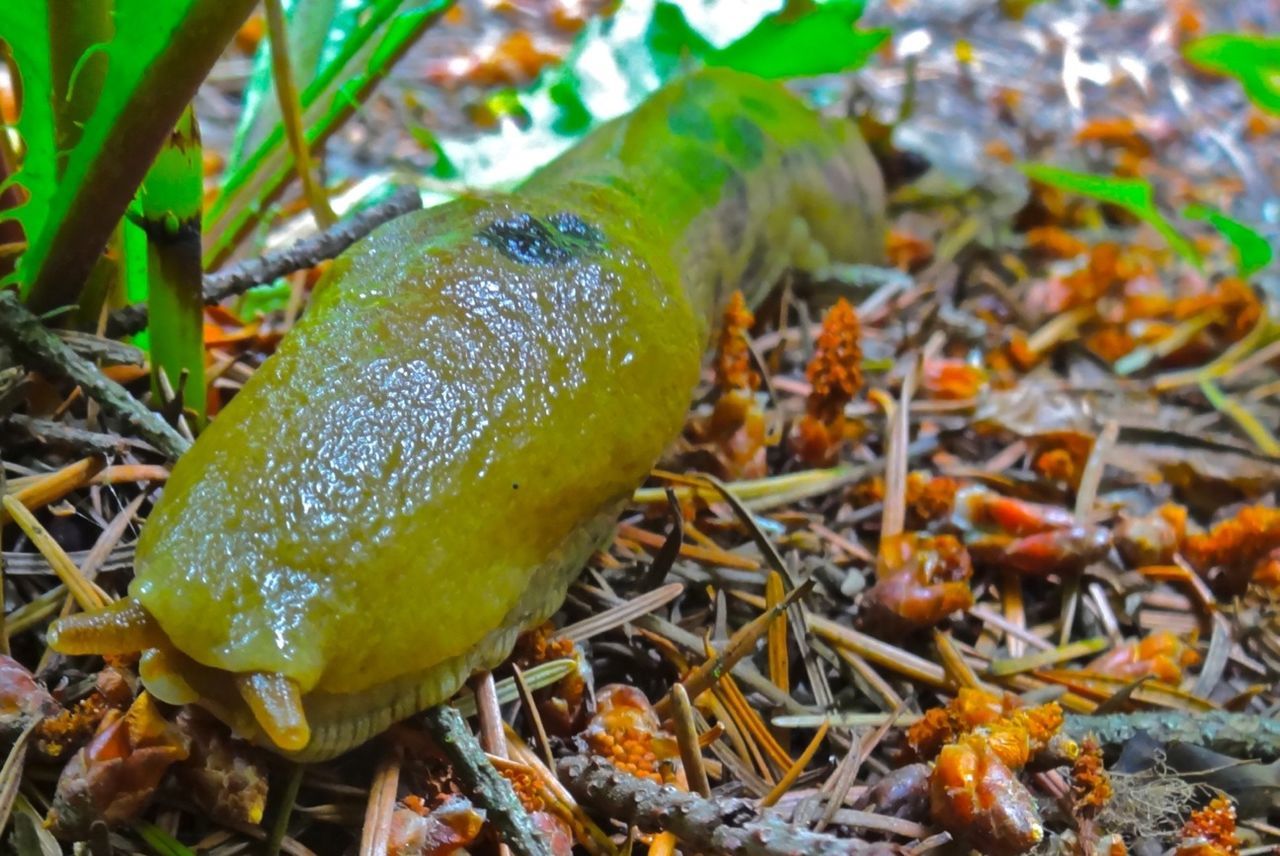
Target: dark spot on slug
(572, 226)
(746, 142)
(689, 119)
(760, 107)
(526, 239)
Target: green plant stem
(169, 203)
(326, 104)
(291, 115)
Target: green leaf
(317, 31)
(160, 842)
(264, 299)
(825, 40)
(617, 61)
(365, 57)
(1252, 60)
(1253, 252)
(1131, 194)
(158, 56)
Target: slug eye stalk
(124, 627)
(276, 703)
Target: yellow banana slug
(424, 465)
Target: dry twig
(729, 826)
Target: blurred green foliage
(1252, 60)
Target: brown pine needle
(881, 653)
(532, 712)
(1014, 610)
(375, 837)
(779, 662)
(746, 715)
(960, 672)
(687, 739)
(740, 644)
(87, 595)
(789, 779)
(708, 556)
(1053, 656)
(36, 493)
(621, 614)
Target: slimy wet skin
(436, 448)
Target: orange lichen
(970, 709)
(1160, 654)
(1016, 734)
(56, 735)
(952, 380)
(1118, 133)
(527, 787)
(1040, 724)
(974, 792)
(449, 828)
(906, 251)
(737, 433)
(835, 377)
(1057, 465)
(1091, 788)
(626, 731)
(735, 429)
(1267, 572)
(979, 508)
(1052, 242)
(976, 797)
(115, 776)
(733, 355)
(1235, 302)
(1211, 831)
(1152, 539)
(920, 580)
(1107, 271)
(1237, 545)
(929, 498)
(835, 372)
(562, 705)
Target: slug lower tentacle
(435, 449)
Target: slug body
(434, 451)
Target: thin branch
(30, 336)
(306, 253)
(487, 786)
(1241, 734)
(93, 442)
(726, 826)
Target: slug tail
(276, 703)
(122, 628)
